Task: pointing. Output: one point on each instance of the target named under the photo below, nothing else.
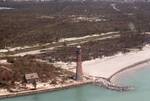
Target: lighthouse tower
(79, 73)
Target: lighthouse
(79, 73)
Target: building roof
(31, 76)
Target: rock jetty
(101, 82)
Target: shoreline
(39, 91)
(115, 78)
(107, 67)
(113, 83)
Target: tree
(34, 83)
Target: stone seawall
(101, 82)
(38, 91)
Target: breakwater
(38, 91)
(101, 82)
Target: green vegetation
(60, 43)
(34, 84)
(15, 72)
(99, 48)
(31, 23)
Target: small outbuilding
(29, 78)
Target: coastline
(106, 67)
(133, 69)
(111, 68)
(45, 90)
(114, 82)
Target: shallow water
(92, 93)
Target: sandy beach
(107, 66)
(117, 78)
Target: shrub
(10, 60)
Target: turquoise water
(92, 93)
(3, 8)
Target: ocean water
(139, 79)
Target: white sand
(114, 7)
(104, 67)
(107, 66)
(32, 52)
(77, 38)
(62, 40)
(3, 61)
(69, 66)
(88, 36)
(26, 53)
(7, 49)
